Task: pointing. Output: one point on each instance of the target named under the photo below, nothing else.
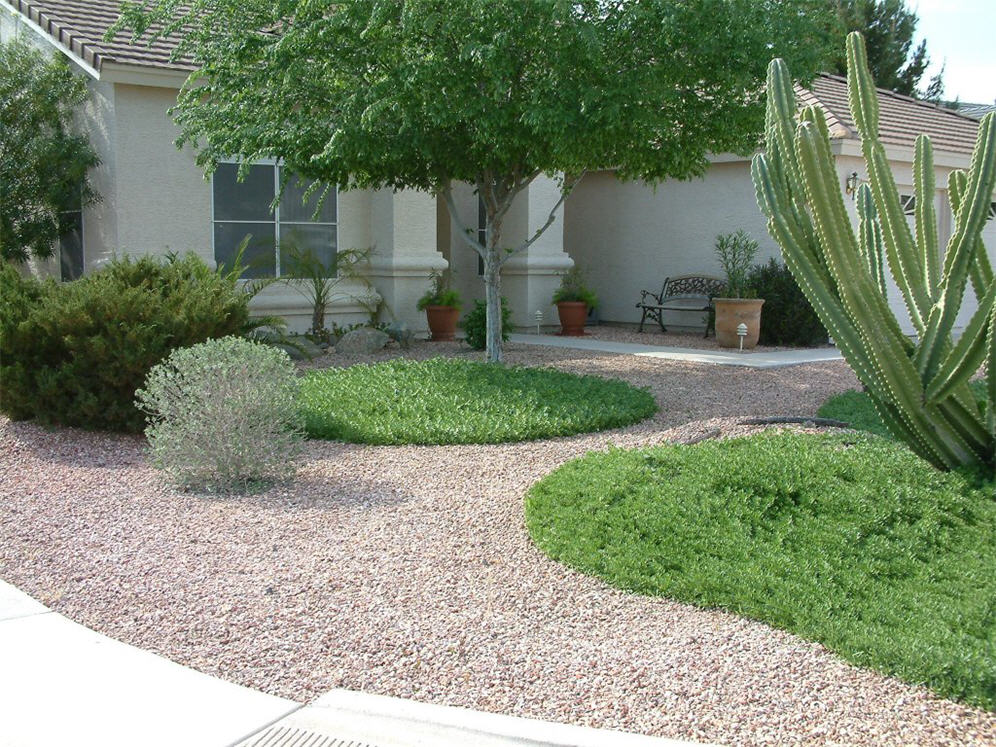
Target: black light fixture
(851, 184)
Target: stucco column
(403, 239)
(529, 279)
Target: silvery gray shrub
(223, 415)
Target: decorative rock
(400, 333)
(364, 341)
(300, 348)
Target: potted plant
(441, 304)
(574, 300)
(736, 252)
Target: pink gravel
(408, 571)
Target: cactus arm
(903, 260)
(812, 275)
(870, 237)
(961, 419)
(926, 218)
(991, 383)
(864, 305)
(982, 271)
(899, 428)
(967, 355)
(843, 274)
(969, 221)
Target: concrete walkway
(64, 684)
(772, 359)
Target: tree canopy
(888, 27)
(424, 93)
(43, 161)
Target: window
(71, 241)
(243, 209)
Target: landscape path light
(741, 333)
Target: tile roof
(901, 118)
(79, 27)
(975, 111)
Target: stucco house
(626, 235)
(631, 235)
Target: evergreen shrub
(787, 317)
(475, 324)
(74, 353)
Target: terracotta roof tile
(79, 26)
(901, 118)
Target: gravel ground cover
(407, 571)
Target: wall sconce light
(851, 184)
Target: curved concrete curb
(63, 683)
(365, 720)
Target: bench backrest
(693, 285)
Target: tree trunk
(492, 295)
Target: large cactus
(920, 390)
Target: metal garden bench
(682, 293)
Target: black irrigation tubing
(778, 420)
(703, 437)
(825, 422)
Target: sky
(962, 34)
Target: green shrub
(223, 415)
(573, 289)
(19, 297)
(787, 317)
(736, 252)
(81, 349)
(475, 324)
(845, 539)
(441, 292)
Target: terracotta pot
(442, 322)
(573, 315)
(730, 314)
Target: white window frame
(277, 167)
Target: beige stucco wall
(529, 278)
(629, 237)
(161, 199)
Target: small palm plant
(316, 279)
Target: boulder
(401, 333)
(301, 348)
(364, 341)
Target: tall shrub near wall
(75, 353)
(789, 317)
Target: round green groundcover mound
(849, 540)
(447, 401)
